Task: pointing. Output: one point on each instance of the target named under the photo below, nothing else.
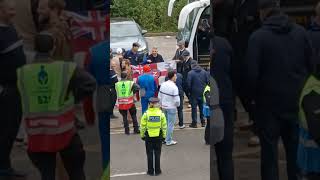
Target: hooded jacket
(278, 61)
(314, 35)
(197, 80)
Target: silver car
(124, 32)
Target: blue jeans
(104, 128)
(196, 102)
(144, 104)
(171, 119)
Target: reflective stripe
(308, 143)
(12, 47)
(50, 130)
(168, 94)
(125, 100)
(43, 122)
(64, 110)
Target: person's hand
(149, 61)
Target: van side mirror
(144, 32)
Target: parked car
(124, 32)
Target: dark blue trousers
(104, 129)
(196, 102)
(270, 128)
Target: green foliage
(152, 15)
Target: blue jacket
(147, 82)
(179, 83)
(99, 65)
(197, 80)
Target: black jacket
(156, 59)
(314, 35)
(198, 78)
(184, 67)
(178, 54)
(278, 61)
(220, 69)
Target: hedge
(152, 15)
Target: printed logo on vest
(43, 76)
(154, 118)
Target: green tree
(150, 14)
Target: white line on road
(128, 174)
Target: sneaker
(158, 173)
(254, 141)
(137, 131)
(150, 173)
(80, 125)
(193, 125)
(182, 127)
(203, 124)
(171, 143)
(127, 131)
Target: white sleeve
(176, 96)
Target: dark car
(124, 32)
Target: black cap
(264, 4)
(154, 100)
(136, 44)
(185, 53)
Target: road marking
(128, 174)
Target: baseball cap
(146, 68)
(154, 100)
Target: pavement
(188, 160)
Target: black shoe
(203, 124)
(12, 173)
(150, 173)
(113, 117)
(157, 173)
(193, 125)
(127, 131)
(136, 131)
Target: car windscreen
(123, 30)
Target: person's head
(119, 51)
(135, 47)
(154, 51)
(194, 64)
(181, 44)
(146, 69)
(172, 76)
(185, 55)
(125, 63)
(113, 65)
(124, 75)
(44, 43)
(153, 102)
(267, 8)
(47, 8)
(7, 11)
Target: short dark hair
(124, 75)
(171, 74)
(43, 42)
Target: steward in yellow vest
(48, 91)
(153, 132)
(125, 91)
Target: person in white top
(169, 101)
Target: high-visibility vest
(48, 106)
(206, 89)
(153, 121)
(124, 94)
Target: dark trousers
(180, 111)
(133, 113)
(207, 131)
(196, 102)
(270, 127)
(224, 148)
(73, 158)
(113, 98)
(186, 90)
(104, 128)
(153, 148)
(10, 118)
